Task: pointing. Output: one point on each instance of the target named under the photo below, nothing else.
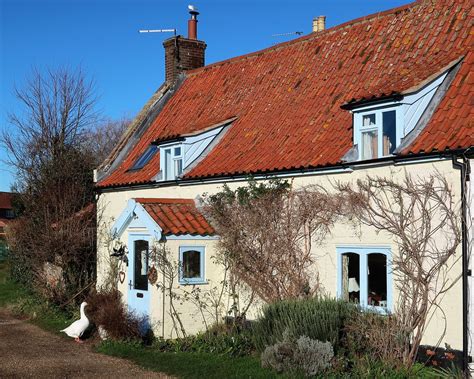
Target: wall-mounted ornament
(152, 275)
(121, 276)
(120, 252)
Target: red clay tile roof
(6, 200)
(177, 216)
(452, 126)
(288, 98)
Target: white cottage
(382, 95)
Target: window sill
(377, 309)
(192, 282)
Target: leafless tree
(57, 108)
(102, 137)
(266, 233)
(54, 237)
(421, 215)
(54, 143)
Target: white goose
(78, 327)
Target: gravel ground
(26, 351)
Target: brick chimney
(182, 53)
(319, 23)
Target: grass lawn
(9, 291)
(189, 365)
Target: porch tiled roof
(287, 99)
(177, 216)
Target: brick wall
(182, 54)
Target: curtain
(345, 277)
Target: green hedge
(319, 319)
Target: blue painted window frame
(364, 252)
(202, 252)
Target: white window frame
(364, 252)
(172, 175)
(176, 158)
(378, 111)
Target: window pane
(350, 277)
(377, 280)
(369, 145)
(389, 132)
(177, 151)
(178, 166)
(168, 165)
(191, 264)
(140, 268)
(368, 119)
(145, 157)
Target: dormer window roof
(380, 125)
(180, 153)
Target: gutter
(345, 167)
(464, 167)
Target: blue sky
(101, 36)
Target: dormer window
(377, 133)
(179, 154)
(385, 125)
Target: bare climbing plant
(423, 219)
(266, 232)
(209, 304)
(168, 270)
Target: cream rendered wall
(449, 319)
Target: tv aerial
(192, 10)
(287, 34)
(158, 31)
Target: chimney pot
(192, 23)
(319, 24)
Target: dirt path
(26, 351)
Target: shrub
(320, 319)
(380, 336)
(304, 355)
(106, 309)
(279, 356)
(313, 356)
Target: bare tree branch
(423, 219)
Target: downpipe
(465, 171)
